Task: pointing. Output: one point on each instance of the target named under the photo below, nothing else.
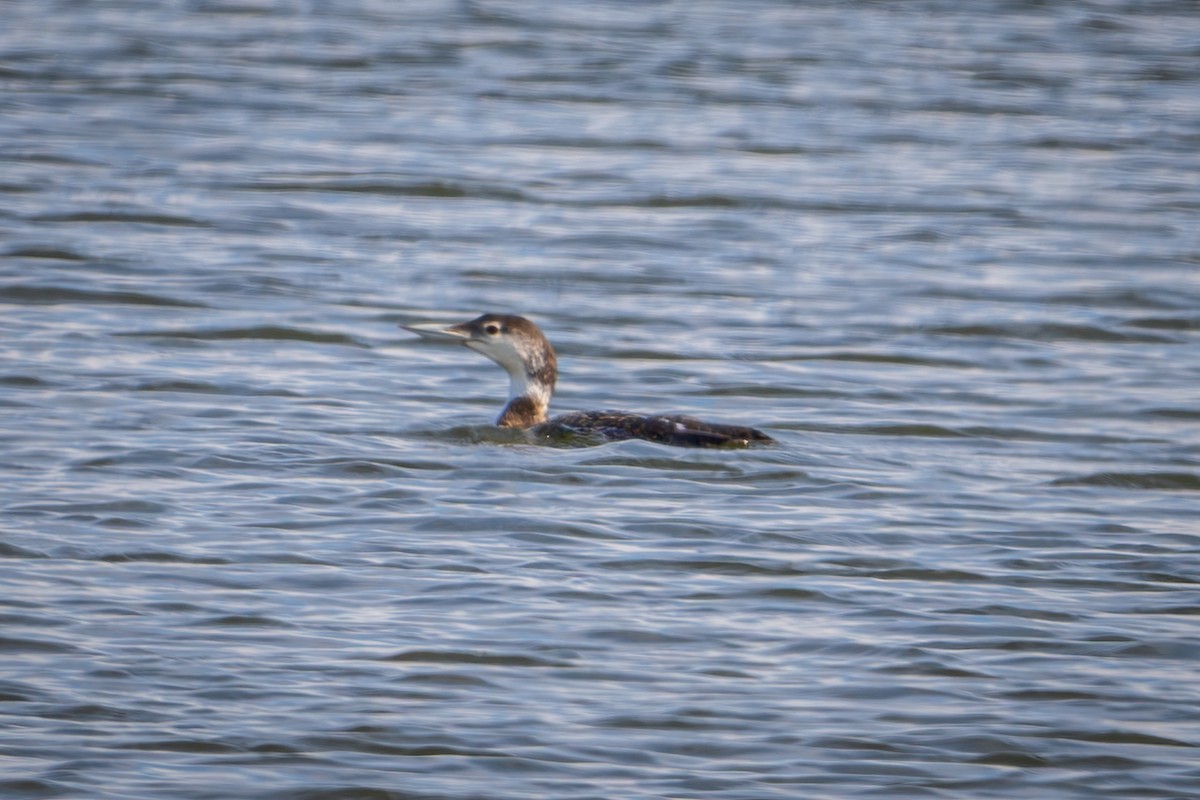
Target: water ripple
(257, 542)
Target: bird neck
(528, 401)
(521, 412)
(532, 373)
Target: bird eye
(492, 329)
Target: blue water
(257, 541)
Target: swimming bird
(522, 349)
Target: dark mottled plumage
(676, 429)
(519, 346)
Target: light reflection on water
(259, 542)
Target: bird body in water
(519, 346)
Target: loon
(519, 346)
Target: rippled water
(259, 542)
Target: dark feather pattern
(672, 429)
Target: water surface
(259, 542)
